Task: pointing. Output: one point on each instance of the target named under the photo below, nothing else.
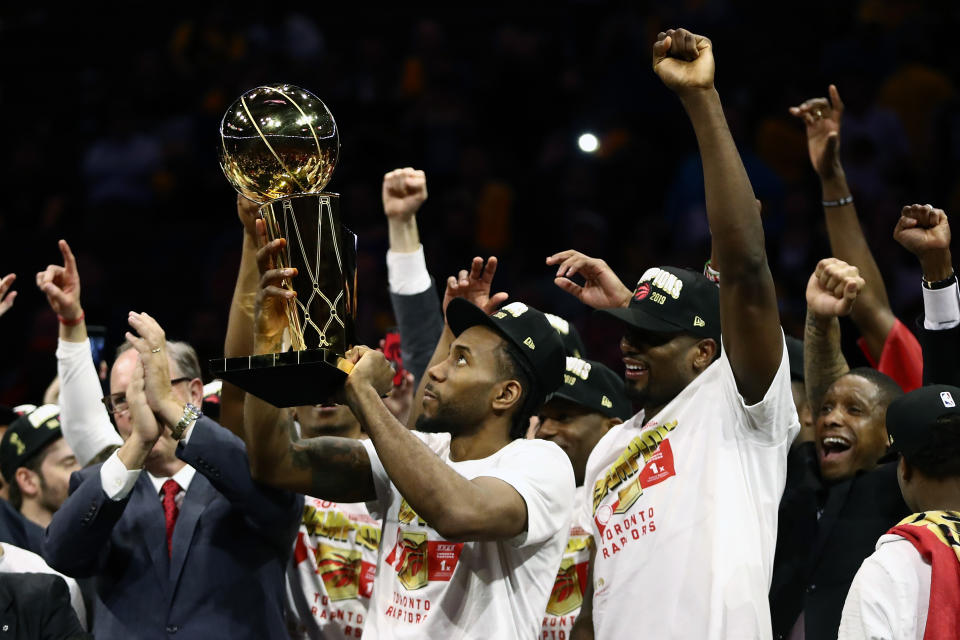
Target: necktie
(169, 492)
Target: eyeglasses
(117, 402)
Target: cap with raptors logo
(671, 299)
(27, 436)
(914, 419)
(525, 327)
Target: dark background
(110, 120)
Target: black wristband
(940, 284)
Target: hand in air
(474, 286)
(602, 289)
(683, 60)
(833, 288)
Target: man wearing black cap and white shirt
(682, 498)
(37, 462)
(474, 518)
(910, 587)
(589, 403)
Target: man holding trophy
(474, 517)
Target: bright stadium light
(588, 143)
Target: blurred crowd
(112, 136)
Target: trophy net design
(279, 147)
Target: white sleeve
(407, 272)
(773, 420)
(84, 420)
(117, 481)
(541, 473)
(941, 308)
(874, 608)
(381, 482)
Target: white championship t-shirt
(331, 571)
(890, 594)
(428, 587)
(683, 510)
(566, 598)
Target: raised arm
(85, 422)
(412, 295)
(239, 338)
(752, 336)
(924, 231)
(831, 291)
(872, 313)
(326, 467)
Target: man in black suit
(36, 606)
(193, 546)
(841, 492)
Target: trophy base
(290, 379)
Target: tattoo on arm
(340, 468)
(823, 362)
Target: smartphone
(98, 340)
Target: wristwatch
(190, 414)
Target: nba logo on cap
(947, 399)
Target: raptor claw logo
(642, 291)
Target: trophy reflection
(279, 147)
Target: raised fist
(683, 60)
(404, 191)
(922, 229)
(833, 288)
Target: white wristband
(407, 272)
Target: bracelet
(940, 284)
(712, 274)
(838, 203)
(71, 323)
(190, 414)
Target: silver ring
(157, 350)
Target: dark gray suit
(229, 548)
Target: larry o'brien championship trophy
(279, 146)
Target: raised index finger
(68, 260)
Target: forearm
(403, 234)
(85, 422)
(738, 242)
(823, 361)
(872, 313)
(454, 506)
(74, 333)
(326, 467)
(239, 335)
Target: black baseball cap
(526, 328)
(795, 355)
(595, 386)
(28, 435)
(569, 336)
(912, 418)
(671, 299)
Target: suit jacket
(420, 322)
(941, 355)
(17, 530)
(229, 548)
(816, 559)
(36, 606)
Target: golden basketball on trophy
(278, 147)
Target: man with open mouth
(841, 492)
